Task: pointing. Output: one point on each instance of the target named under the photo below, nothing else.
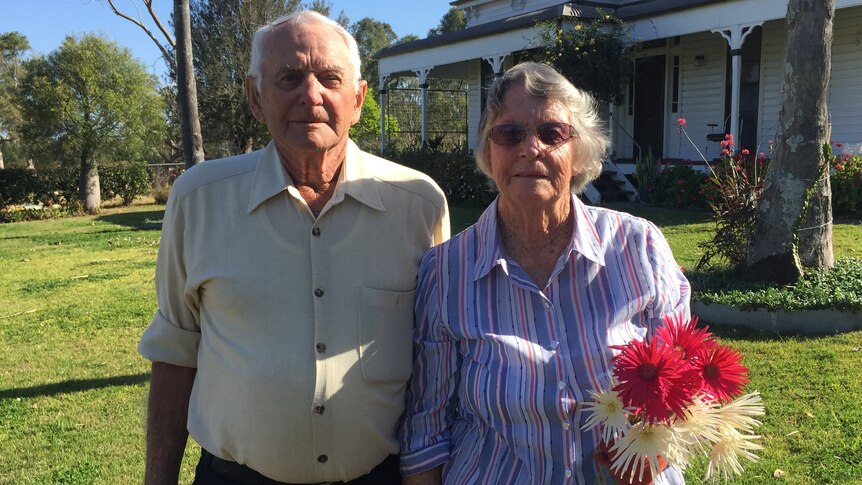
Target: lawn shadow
(748, 334)
(136, 220)
(663, 216)
(74, 385)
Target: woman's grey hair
(296, 19)
(544, 81)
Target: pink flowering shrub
(846, 181)
(732, 192)
(680, 186)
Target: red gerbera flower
(650, 379)
(684, 337)
(722, 372)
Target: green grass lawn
(77, 294)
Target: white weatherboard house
(717, 63)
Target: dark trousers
(212, 470)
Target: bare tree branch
(165, 32)
(166, 53)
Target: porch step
(610, 189)
(616, 195)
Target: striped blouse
(502, 368)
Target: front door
(649, 106)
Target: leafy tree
(407, 38)
(13, 45)
(320, 6)
(590, 54)
(372, 35)
(366, 132)
(221, 42)
(452, 21)
(88, 101)
(177, 53)
(794, 218)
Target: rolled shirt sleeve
(173, 336)
(425, 430)
(672, 291)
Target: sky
(46, 23)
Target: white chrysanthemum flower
(724, 458)
(700, 425)
(740, 413)
(642, 442)
(607, 410)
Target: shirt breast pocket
(386, 334)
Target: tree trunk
(2, 165)
(791, 184)
(88, 185)
(815, 236)
(187, 91)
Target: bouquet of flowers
(671, 398)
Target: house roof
(529, 19)
(564, 11)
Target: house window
(674, 103)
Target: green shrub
(846, 184)
(62, 182)
(160, 194)
(49, 186)
(128, 180)
(839, 288)
(20, 186)
(454, 170)
(680, 186)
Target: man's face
(307, 96)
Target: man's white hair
(296, 19)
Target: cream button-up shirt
(300, 327)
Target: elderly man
(285, 282)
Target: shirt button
(561, 385)
(321, 347)
(566, 426)
(315, 232)
(319, 409)
(318, 292)
(568, 473)
(324, 458)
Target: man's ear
(253, 97)
(361, 91)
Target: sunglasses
(551, 134)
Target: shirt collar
(489, 251)
(270, 179)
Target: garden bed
(781, 322)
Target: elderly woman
(515, 314)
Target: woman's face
(533, 173)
